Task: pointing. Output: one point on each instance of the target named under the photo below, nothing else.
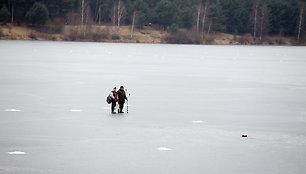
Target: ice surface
(258, 90)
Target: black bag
(109, 99)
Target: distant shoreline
(107, 33)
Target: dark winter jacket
(121, 96)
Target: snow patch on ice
(198, 121)
(75, 110)
(16, 153)
(164, 149)
(12, 110)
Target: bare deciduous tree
(12, 11)
(82, 11)
(198, 17)
(98, 12)
(133, 22)
(258, 20)
(113, 16)
(87, 13)
(120, 13)
(256, 6)
(100, 15)
(300, 22)
(209, 27)
(263, 19)
(205, 12)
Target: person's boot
(113, 112)
(121, 110)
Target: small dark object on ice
(244, 135)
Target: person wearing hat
(121, 98)
(114, 96)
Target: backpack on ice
(109, 99)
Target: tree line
(258, 17)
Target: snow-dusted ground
(189, 106)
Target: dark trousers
(113, 106)
(121, 105)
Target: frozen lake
(189, 106)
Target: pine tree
(217, 17)
(166, 13)
(4, 15)
(142, 12)
(38, 14)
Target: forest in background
(238, 17)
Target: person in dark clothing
(114, 96)
(121, 98)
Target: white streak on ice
(75, 110)
(16, 153)
(12, 110)
(164, 149)
(198, 121)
